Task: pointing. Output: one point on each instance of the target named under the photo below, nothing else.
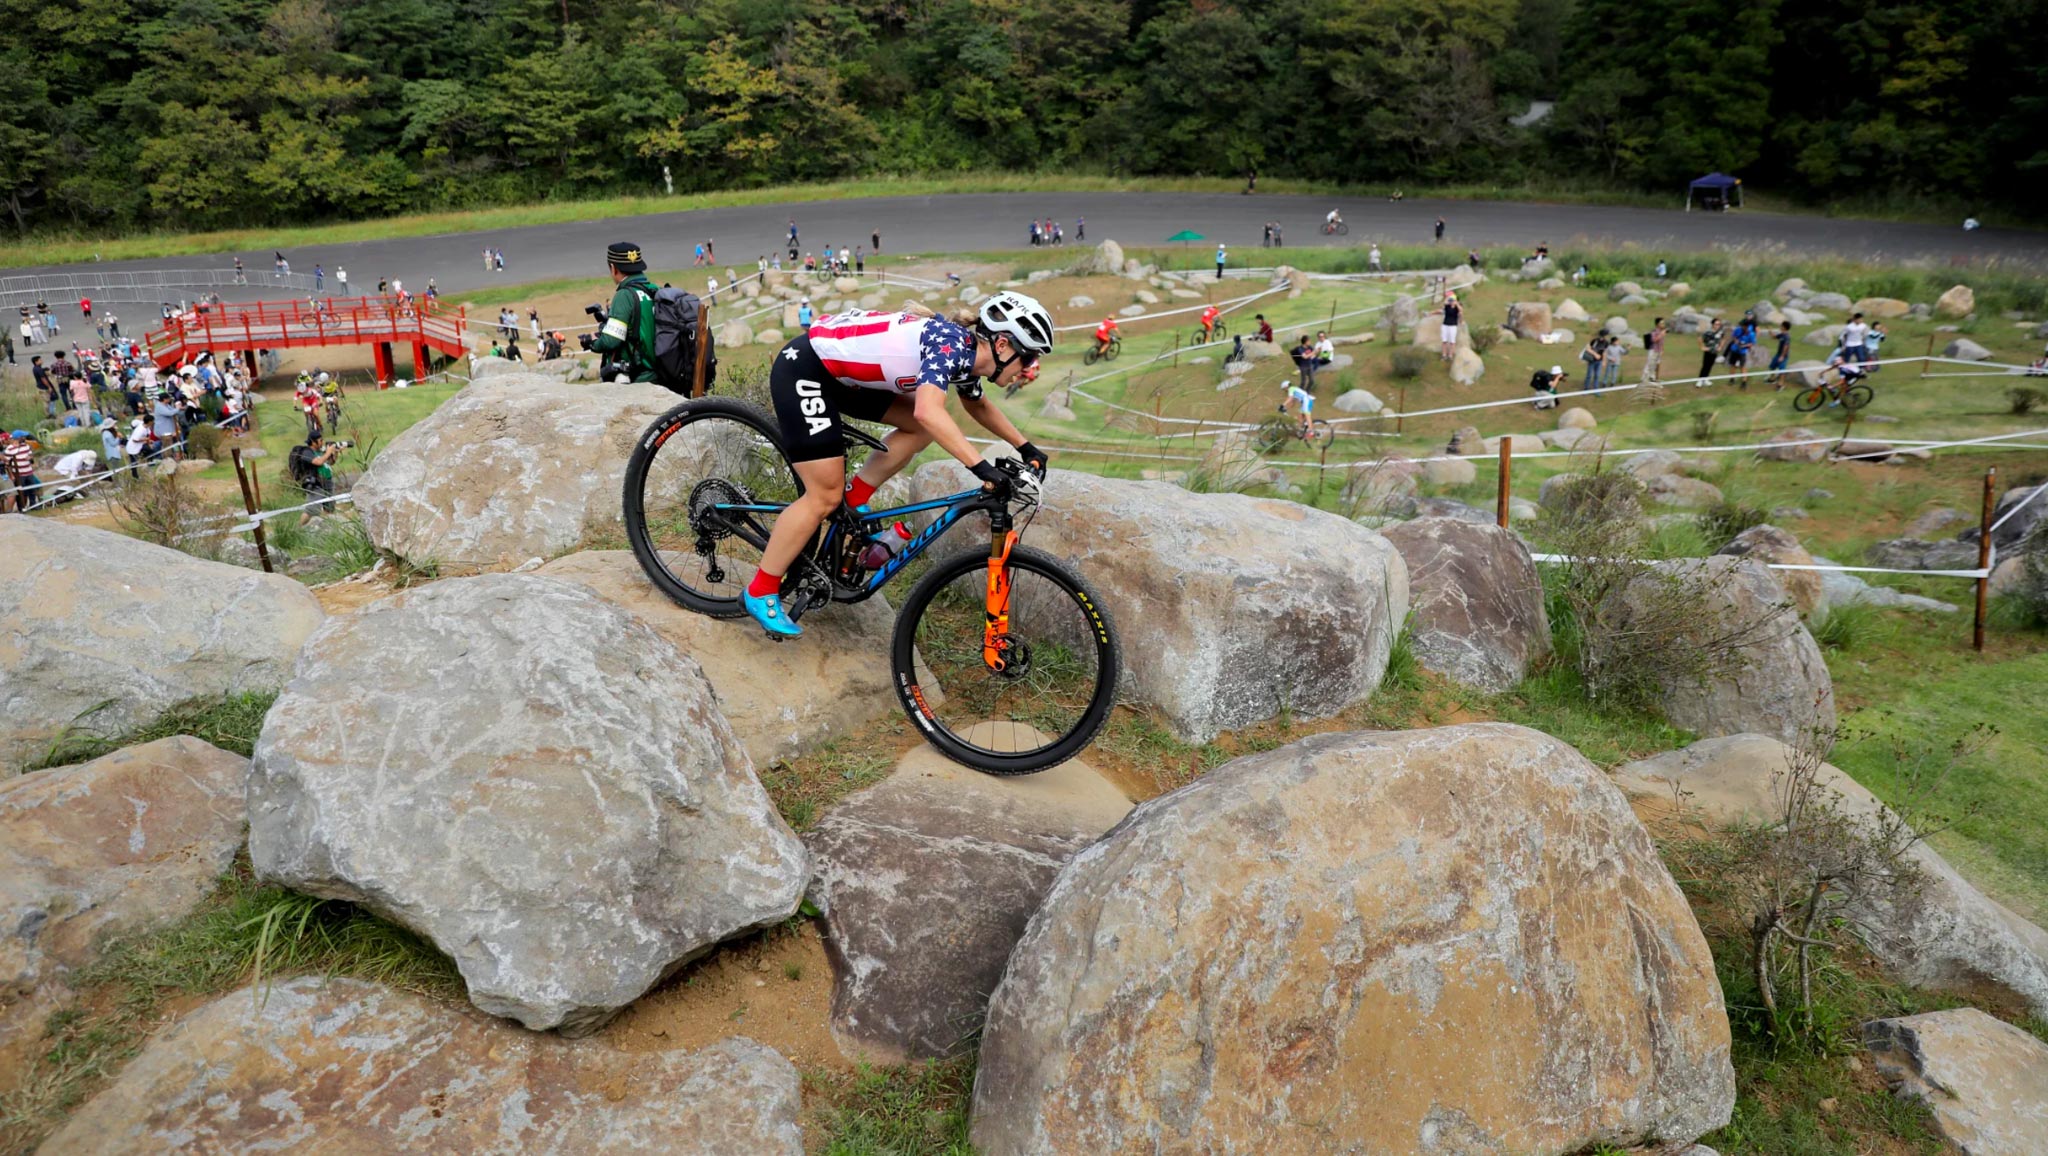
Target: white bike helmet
(321, 379)
(1022, 319)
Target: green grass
(244, 932)
(919, 1110)
(230, 722)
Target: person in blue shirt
(1221, 258)
(804, 314)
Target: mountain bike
(1272, 435)
(1852, 395)
(1096, 352)
(1005, 660)
(1338, 227)
(1199, 337)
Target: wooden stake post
(1507, 453)
(703, 348)
(249, 504)
(1984, 556)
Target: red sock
(764, 584)
(858, 491)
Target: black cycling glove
(989, 474)
(1033, 457)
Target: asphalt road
(994, 221)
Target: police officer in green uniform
(626, 338)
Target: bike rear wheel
(1810, 399)
(688, 472)
(1058, 655)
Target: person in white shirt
(1326, 352)
(1373, 258)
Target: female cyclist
(894, 368)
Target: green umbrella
(1186, 235)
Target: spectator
(110, 444)
(1610, 370)
(1653, 352)
(1663, 270)
(81, 397)
(1439, 230)
(1855, 338)
(1325, 351)
(1594, 355)
(804, 314)
(1265, 328)
(1221, 257)
(1372, 259)
(1544, 385)
(319, 277)
(875, 240)
(860, 260)
(18, 461)
(1740, 344)
(113, 327)
(138, 441)
(312, 470)
(1710, 350)
(1873, 344)
(341, 279)
(8, 340)
(1453, 313)
(1304, 356)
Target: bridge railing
(328, 321)
(149, 285)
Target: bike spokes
(709, 487)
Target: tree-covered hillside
(117, 114)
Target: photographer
(312, 470)
(626, 334)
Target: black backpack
(300, 464)
(676, 335)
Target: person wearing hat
(1222, 257)
(627, 336)
(1544, 385)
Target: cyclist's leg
(908, 440)
(806, 400)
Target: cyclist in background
(1305, 404)
(1848, 370)
(1209, 316)
(1103, 333)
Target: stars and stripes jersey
(896, 352)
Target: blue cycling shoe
(766, 609)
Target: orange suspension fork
(996, 621)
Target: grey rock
(1363, 912)
(1938, 521)
(1846, 589)
(2031, 504)
(107, 632)
(1614, 326)
(1278, 653)
(1816, 494)
(1780, 685)
(340, 1065)
(1359, 401)
(1916, 554)
(1788, 287)
(1530, 320)
(1982, 1079)
(1452, 508)
(1942, 933)
(1826, 337)
(1623, 289)
(1477, 600)
(1794, 445)
(1964, 349)
(508, 468)
(1862, 450)
(126, 843)
(1131, 311)
(1570, 310)
(1770, 545)
(1789, 514)
(1522, 509)
(1802, 317)
(1838, 301)
(1958, 301)
(1653, 464)
(1633, 301)
(594, 820)
(1678, 490)
(1106, 259)
(926, 881)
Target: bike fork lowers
(995, 630)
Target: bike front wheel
(1343, 230)
(1008, 674)
(1858, 396)
(703, 489)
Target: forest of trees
(122, 114)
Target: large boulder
(1403, 312)
(1529, 319)
(594, 821)
(1964, 349)
(339, 1065)
(1466, 366)
(2019, 511)
(1359, 401)
(1827, 301)
(1577, 417)
(1794, 445)
(1570, 310)
(511, 468)
(733, 334)
(1477, 599)
(1450, 940)
(1984, 1081)
(925, 882)
(1959, 301)
(1770, 545)
(125, 843)
(1881, 308)
(1224, 602)
(1683, 492)
(1621, 289)
(1947, 934)
(1777, 682)
(781, 700)
(104, 631)
(1919, 554)
(1826, 337)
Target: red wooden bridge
(379, 322)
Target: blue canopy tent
(1717, 191)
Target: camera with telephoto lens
(342, 445)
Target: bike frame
(952, 508)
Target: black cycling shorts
(810, 403)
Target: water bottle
(884, 546)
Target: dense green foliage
(192, 113)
